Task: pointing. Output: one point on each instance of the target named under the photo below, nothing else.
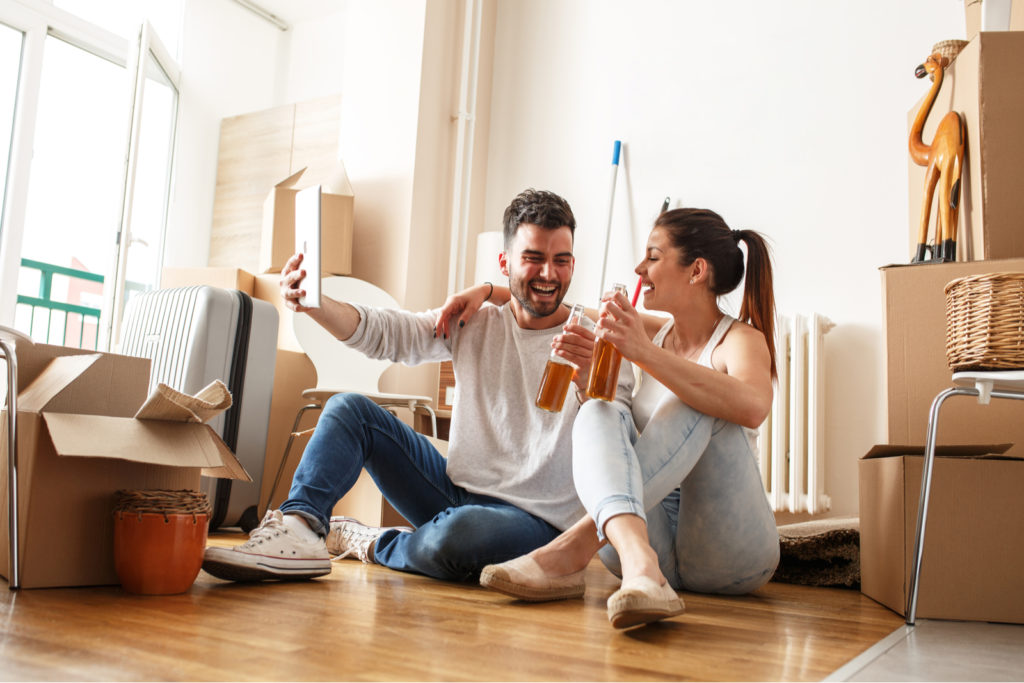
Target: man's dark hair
(538, 207)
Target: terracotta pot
(158, 554)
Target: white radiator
(792, 440)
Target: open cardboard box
(79, 441)
(277, 243)
(974, 541)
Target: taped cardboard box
(79, 441)
(985, 83)
(916, 369)
(974, 541)
(277, 242)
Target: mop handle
(611, 203)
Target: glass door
(147, 177)
(12, 42)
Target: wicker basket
(985, 322)
(949, 48)
(162, 501)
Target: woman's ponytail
(758, 307)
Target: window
(90, 159)
(123, 17)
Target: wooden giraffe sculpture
(944, 160)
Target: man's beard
(521, 291)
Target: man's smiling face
(539, 264)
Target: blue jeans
(457, 532)
(694, 479)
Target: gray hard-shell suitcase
(195, 335)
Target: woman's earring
(693, 280)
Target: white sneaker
(349, 537)
(273, 551)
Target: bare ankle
(555, 563)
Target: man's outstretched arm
(337, 317)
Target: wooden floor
(365, 622)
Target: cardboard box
(916, 368)
(974, 22)
(268, 288)
(78, 443)
(293, 374)
(974, 541)
(277, 243)
(972, 18)
(225, 278)
(985, 83)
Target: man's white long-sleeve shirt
(500, 443)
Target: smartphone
(307, 242)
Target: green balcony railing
(58, 313)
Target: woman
(674, 487)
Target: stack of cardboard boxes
(975, 541)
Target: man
(506, 486)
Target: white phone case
(307, 242)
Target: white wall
(229, 62)
(787, 117)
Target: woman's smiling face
(662, 276)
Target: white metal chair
(9, 339)
(986, 385)
(340, 369)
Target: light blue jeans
(457, 532)
(693, 478)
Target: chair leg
(433, 419)
(288, 448)
(414, 404)
(926, 485)
(14, 571)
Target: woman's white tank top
(650, 391)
